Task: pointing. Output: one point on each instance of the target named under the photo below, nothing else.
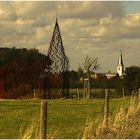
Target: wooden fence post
(132, 93)
(106, 107)
(43, 120)
(89, 90)
(123, 92)
(93, 93)
(77, 93)
(139, 93)
(84, 91)
(34, 91)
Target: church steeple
(120, 66)
(120, 59)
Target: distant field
(66, 118)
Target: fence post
(123, 92)
(34, 91)
(132, 93)
(84, 93)
(77, 93)
(94, 93)
(89, 89)
(139, 93)
(106, 107)
(43, 120)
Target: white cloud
(87, 28)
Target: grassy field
(96, 93)
(66, 118)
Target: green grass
(67, 117)
(96, 93)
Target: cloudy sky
(97, 29)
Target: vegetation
(90, 65)
(20, 73)
(96, 93)
(132, 79)
(21, 55)
(130, 82)
(66, 118)
(21, 70)
(80, 72)
(124, 125)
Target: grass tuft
(125, 125)
(32, 131)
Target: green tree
(132, 78)
(73, 75)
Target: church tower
(120, 66)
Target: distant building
(98, 76)
(110, 75)
(120, 66)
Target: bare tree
(80, 72)
(90, 65)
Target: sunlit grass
(123, 124)
(66, 118)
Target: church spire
(120, 62)
(120, 66)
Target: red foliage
(18, 79)
(1, 90)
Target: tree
(22, 55)
(73, 76)
(80, 72)
(90, 65)
(132, 78)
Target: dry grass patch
(125, 124)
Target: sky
(93, 28)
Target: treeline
(21, 55)
(130, 81)
(20, 71)
(76, 81)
